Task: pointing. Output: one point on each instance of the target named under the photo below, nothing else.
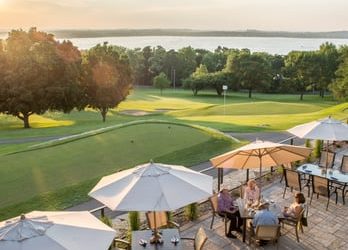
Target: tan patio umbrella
(55, 231)
(326, 129)
(260, 154)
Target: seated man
(226, 206)
(264, 217)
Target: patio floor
(326, 229)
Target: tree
(214, 61)
(38, 74)
(187, 57)
(218, 79)
(340, 86)
(161, 82)
(252, 70)
(329, 61)
(302, 68)
(147, 54)
(198, 80)
(107, 78)
(136, 62)
(157, 60)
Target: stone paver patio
(326, 229)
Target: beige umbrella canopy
(326, 129)
(152, 187)
(55, 231)
(260, 154)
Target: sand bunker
(135, 112)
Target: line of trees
(196, 69)
(38, 73)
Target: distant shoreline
(66, 33)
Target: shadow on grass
(58, 200)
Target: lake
(272, 45)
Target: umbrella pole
(327, 154)
(260, 157)
(156, 238)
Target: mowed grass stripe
(27, 174)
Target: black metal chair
(293, 181)
(322, 186)
(297, 223)
(327, 159)
(214, 207)
(344, 169)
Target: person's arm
(297, 211)
(258, 194)
(246, 191)
(224, 204)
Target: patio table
(333, 175)
(246, 214)
(167, 235)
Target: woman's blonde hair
(251, 182)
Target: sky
(273, 15)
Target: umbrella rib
(270, 155)
(245, 162)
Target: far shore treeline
(39, 73)
(67, 34)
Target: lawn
(26, 175)
(58, 176)
(263, 112)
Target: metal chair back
(329, 163)
(161, 219)
(344, 164)
(267, 232)
(200, 239)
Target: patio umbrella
(55, 231)
(260, 154)
(152, 187)
(327, 129)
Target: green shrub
(317, 148)
(308, 144)
(134, 221)
(106, 220)
(191, 211)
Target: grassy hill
(26, 175)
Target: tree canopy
(161, 82)
(38, 74)
(107, 77)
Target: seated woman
(296, 207)
(252, 192)
(226, 206)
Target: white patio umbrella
(152, 187)
(327, 129)
(55, 231)
(260, 154)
